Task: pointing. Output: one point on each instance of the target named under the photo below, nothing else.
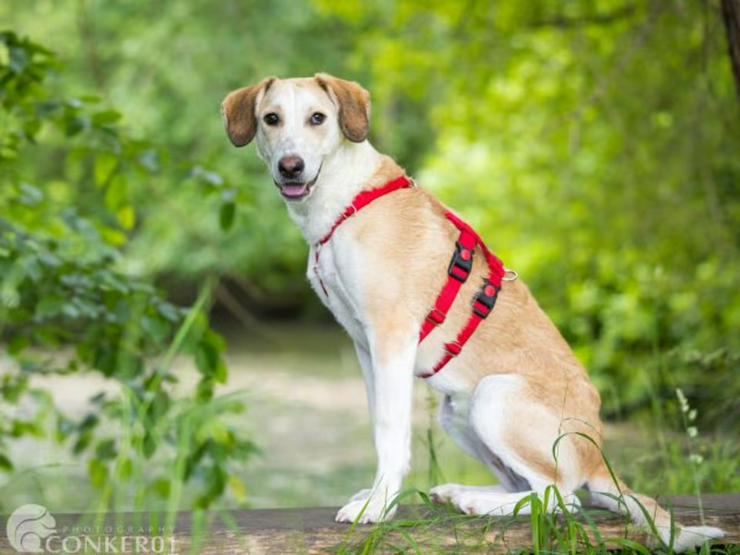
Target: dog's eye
(271, 119)
(317, 118)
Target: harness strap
(358, 203)
(365, 198)
(483, 304)
(458, 271)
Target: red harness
(457, 273)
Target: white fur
(345, 168)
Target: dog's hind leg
(454, 418)
(515, 437)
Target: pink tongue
(291, 190)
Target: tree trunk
(731, 17)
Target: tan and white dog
(512, 394)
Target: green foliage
(66, 307)
(591, 143)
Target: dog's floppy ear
(238, 110)
(354, 105)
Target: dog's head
(298, 123)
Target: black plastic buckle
(462, 261)
(485, 300)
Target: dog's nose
(291, 166)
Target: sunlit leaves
(61, 288)
(590, 144)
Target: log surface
(313, 530)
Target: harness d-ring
(510, 275)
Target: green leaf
(19, 59)
(161, 487)
(5, 463)
(74, 125)
(18, 344)
(238, 489)
(226, 215)
(82, 443)
(105, 166)
(105, 117)
(125, 469)
(207, 358)
(98, 472)
(106, 449)
(126, 217)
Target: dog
(514, 397)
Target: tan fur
(238, 110)
(354, 105)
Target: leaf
(98, 472)
(226, 215)
(126, 217)
(161, 487)
(117, 193)
(125, 469)
(5, 463)
(206, 358)
(237, 488)
(105, 117)
(106, 165)
(82, 442)
(156, 328)
(106, 449)
(19, 59)
(17, 344)
(73, 125)
(149, 445)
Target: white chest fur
(332, 284)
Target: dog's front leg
(392, 377)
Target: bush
(66, 308)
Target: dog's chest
(329, 283)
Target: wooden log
(313, 530)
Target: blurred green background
(594, 145)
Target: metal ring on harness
(510, 275)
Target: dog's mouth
(296, 190)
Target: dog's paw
(444, 493)
(361, 495)
(448, 493)
(364, 511)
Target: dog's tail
(611, 493)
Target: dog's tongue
(294, 189)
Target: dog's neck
(353, 168)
